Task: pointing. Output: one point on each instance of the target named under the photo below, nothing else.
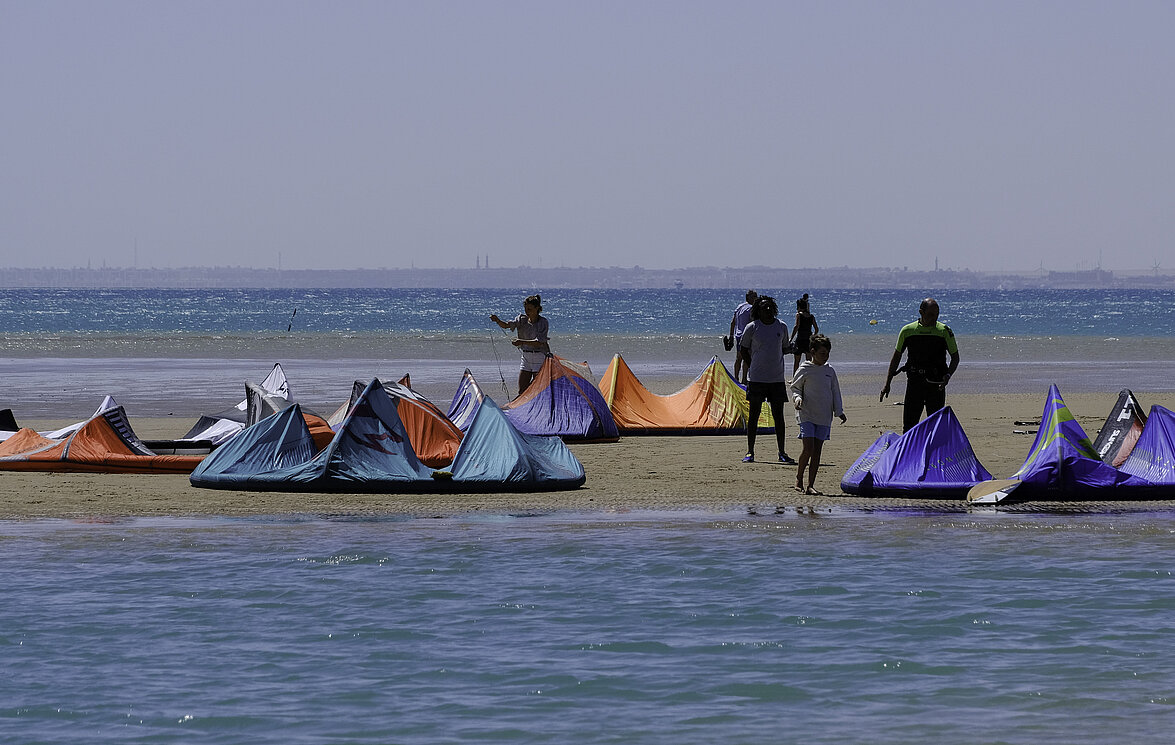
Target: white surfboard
(993, 491)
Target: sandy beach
(637, 473)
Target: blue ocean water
(645, 628)
(188, 352)
(1114, 313)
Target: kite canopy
(1121, 429)
(714, 403)
(850, 483)
(495, 456)
(108, 403)
(222, 426)
(372, 452)
(8, 425)
(260, 404)
(465, 402)
(933, 459)
(103, 444)
(562, 400)
(1062, 463)
(1153, 455)
(434, 438)
(268, 451)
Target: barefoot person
(532, 339)
(927, 370)
(765, 342)
(816, 392)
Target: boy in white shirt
(817, 396)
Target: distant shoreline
(526, 277)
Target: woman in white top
(532, 339)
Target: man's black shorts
(776, 393)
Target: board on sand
(993, 491)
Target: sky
(993, 136)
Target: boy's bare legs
(813, 462)
(805, 456)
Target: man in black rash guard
(927, 371)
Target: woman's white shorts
(532, 361)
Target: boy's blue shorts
(819, 431)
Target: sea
(799, 626)
(157, 351)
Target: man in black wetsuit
(927, 371)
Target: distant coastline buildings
(523, 277)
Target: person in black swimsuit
(801, 332)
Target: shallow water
(652, 628)
(189, 352)
(69, 388)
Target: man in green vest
(927, 371)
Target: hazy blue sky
(988, 135)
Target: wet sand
(637, 473)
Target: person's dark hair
(764, 303)
(751, 295)
(819, 340)
(536, 301)
(802, 303)
(926, 304)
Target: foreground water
(648, 628)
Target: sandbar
(660, 473)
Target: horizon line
(1038, 272)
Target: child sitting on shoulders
(817, 397)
